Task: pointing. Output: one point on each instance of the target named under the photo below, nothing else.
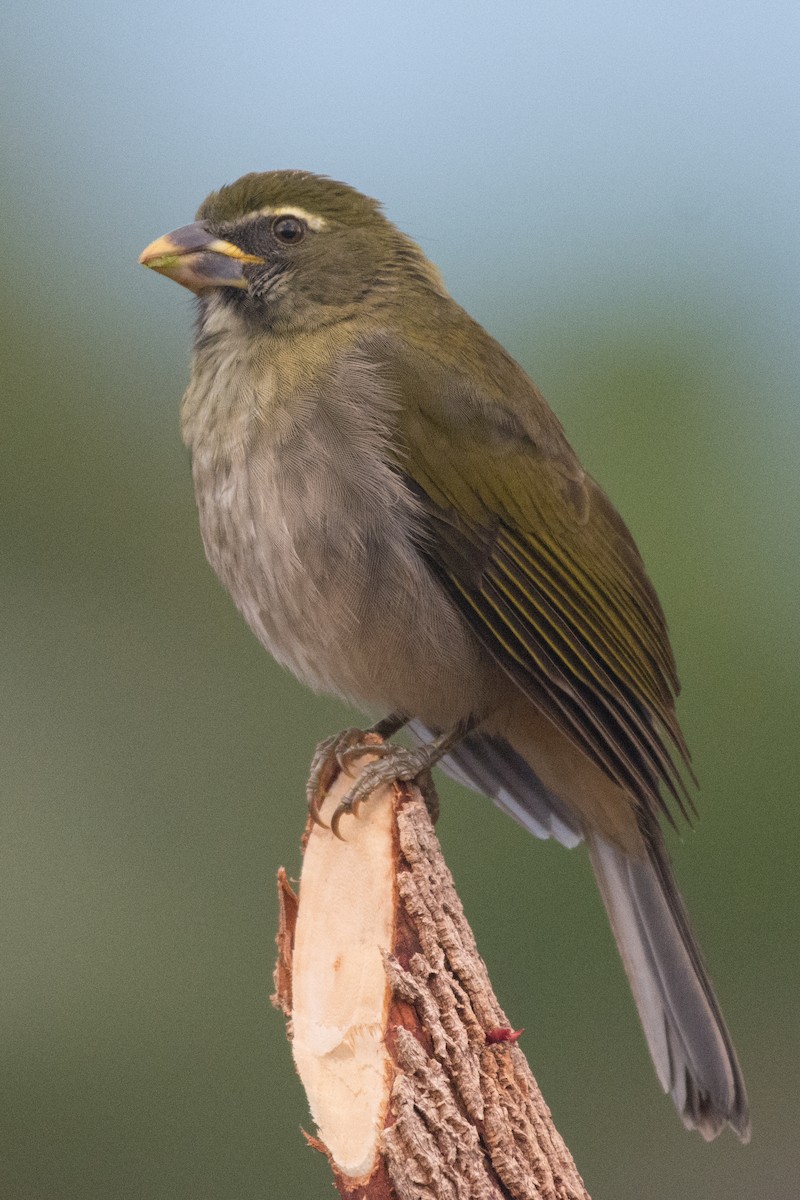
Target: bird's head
(288, 250)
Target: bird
(397, 513)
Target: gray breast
(312, 531)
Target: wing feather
(549, 578)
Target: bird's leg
(336, 753)
(398, 762)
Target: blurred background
(612, 190)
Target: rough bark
(414, 1078)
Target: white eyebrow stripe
(312, 220)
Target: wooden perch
(415, 1083)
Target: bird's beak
(196, 259)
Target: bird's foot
(395, 764)
(330, 758)
(339, 752)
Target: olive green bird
(399, 517)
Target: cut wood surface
(417, 1086)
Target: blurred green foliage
(154, 763)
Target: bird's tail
(685, 1030)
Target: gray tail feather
(487, 763)
(685, 1030)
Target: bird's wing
(543, 568)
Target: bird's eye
(288, 229)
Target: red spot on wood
(501, 1034)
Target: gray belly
(327, 576)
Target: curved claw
(332, 755)
(313, 811)
(314, 790)
(372, 775)
(314, 795)
(341, 811)
(346, 755)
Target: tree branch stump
(413, 1076)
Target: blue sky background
(623, 141)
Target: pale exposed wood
(390, 1005)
